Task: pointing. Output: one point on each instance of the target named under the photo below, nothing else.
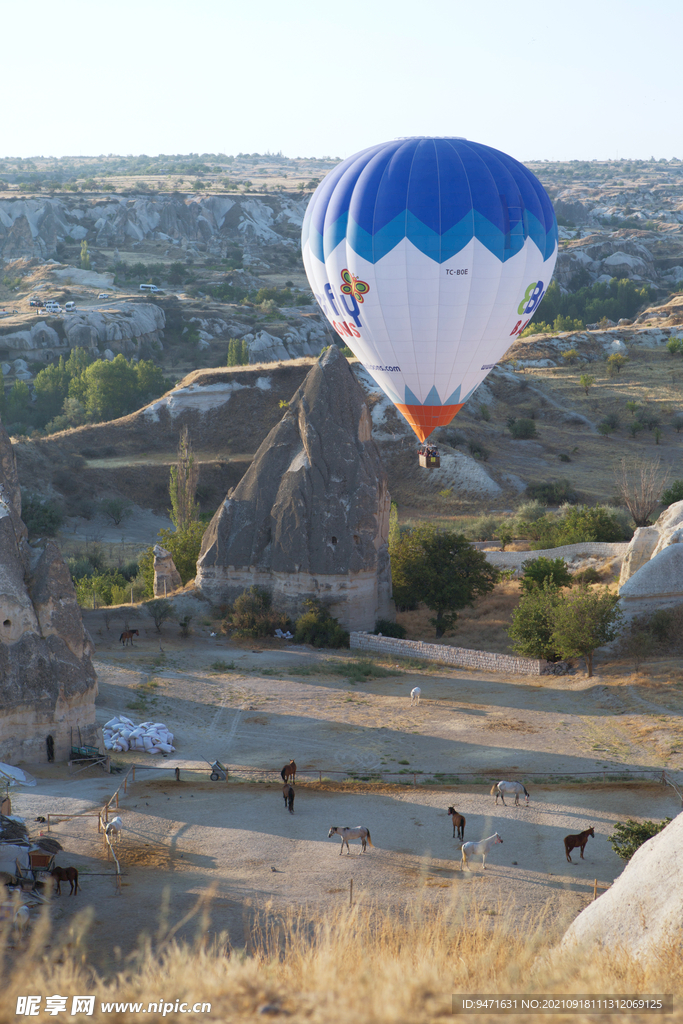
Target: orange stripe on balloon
(425, 418)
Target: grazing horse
(127, 636)
(114, 828)
(288, 773)
(572, 842)
(459, 822)
(500, 788)
(69, 875)
(415, 695)
(288, 794)
(346, 833)
(483, 848)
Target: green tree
(615, 363)
(442, 570)
(674, 346)
(673, 493)
(630, 835)
(51, 388)
(116, 509)
(85, 256)
(111, 388)
(585, 620)
(531, 630)
(17, 404)
(586, 381)
(150, 380)
(184, 546)
(183, 485)
(539, 570)
(238, 352)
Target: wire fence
(416, 777)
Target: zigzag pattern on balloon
(372, 200)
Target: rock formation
(643, 910)
(128, 327)
(166, 576)
(47, 681)
(310, 518)
(652, 571)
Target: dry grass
(355, 963)
(481, 628)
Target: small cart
(218, 772)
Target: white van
(149, 288)
(69, 307)
(52, 306)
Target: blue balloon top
(439, 193)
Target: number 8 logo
(532, 297)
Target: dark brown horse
(288, 794)
(69, 875)
(127, 636)
(572, 842)
(288, 773)
(459, 822)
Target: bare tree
(183, 485)
(640, 483)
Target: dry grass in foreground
(482, 627)
(357, 963)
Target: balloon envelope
(429, 256)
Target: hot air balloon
(428, 256)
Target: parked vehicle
(149, 288)
(69, 306)
(103, 295)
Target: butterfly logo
(352, 286)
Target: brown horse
(572, 842)
(69, 875)
(288, 773)
(459, 822)
(288, 795)
(127, 636)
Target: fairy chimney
(310, 518)
(47, 682)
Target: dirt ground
(254, 709)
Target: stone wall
(514, 559)
(457, 656)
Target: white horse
(415, 695)
(114, 828)
(483, 848)
(346, 833)
(500, 788)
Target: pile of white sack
(153, 737)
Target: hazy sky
(580, 79)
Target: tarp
(12, 776)
(9, 855)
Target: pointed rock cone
(310, 517)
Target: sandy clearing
(237, 841)
(200, 837)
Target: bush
(482, 528)
(478, 451)
(552, 492)
(159, 609)
(388, 628)
(630, 836)
(42, 517)
(253, 615)
(531, 630)
(522, 429)
(539, 570)
(587, 576)
(317, 627)
(673, 493)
